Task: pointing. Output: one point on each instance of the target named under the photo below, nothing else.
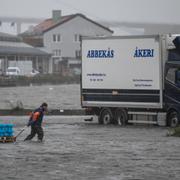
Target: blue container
(6, 130)
(1, 132)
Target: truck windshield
(11, 70)
(178, 77)
(173, 76)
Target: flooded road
(78, 150)
(65, 96)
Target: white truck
(130, 80)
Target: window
(178, 77)
(171, 75)
(78, 53)
(56, 37)
(76, 38)
(100, 35)
(57, 52)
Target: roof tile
(49, 24)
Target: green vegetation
(174, 132)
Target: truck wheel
(121, 117)
(173, 120)
(106, 116)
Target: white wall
(68, 46)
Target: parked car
(34, 72)
(13, 71)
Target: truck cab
(172, 92)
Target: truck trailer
(131, 79)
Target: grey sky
(156, 11)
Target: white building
(60, 36)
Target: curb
(53, 112)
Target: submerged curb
(23, 112)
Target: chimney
(56, 15)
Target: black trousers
(35, 130)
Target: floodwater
(78, 150)
(57, 96)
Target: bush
(174, 132)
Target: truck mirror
(176, 42)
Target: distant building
(12, 49)
(60, 36)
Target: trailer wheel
(173, 120)
(121, 117)
(105, 116)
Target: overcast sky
(156, 11)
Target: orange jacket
(35, 116)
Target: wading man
(35, 121)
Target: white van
(13, 71)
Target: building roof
(49, 24)
(5, 35)
(8, 37)
(5, 50)
(12, 45)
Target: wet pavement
(78, 150)
(65, 96)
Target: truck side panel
(122, 72)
